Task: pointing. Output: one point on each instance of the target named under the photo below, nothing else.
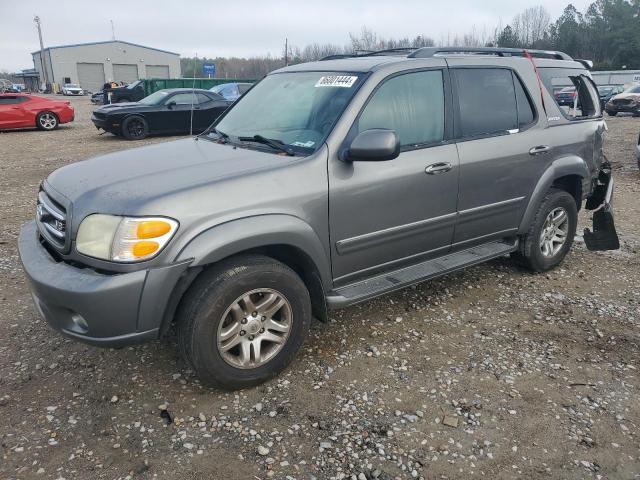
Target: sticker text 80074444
(345, 81)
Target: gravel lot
(493, 372)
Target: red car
(19, 110)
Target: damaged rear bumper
(604, 235)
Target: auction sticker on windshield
(345, 81)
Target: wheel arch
(285, 238)
(567, 173)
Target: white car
(72, 89)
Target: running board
(388, 282)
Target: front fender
(226, 239)
(561, 167)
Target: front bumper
(100, 309)
(622, 108)
(604, 235)
(101, 123)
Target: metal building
(92, 64)
(616, 77)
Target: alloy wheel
(554, 232)
(254, 328)
(48, 121)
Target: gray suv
(327, 184)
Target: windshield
(605, 90)
(634, 89)
(134, 84)
(217, 88)
(297, 109)
(154, 98)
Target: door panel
(14, 115)
(384, 214)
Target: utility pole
(45, 78)
(113, 31)
(286, 52)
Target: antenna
(113, 31)
(193, 93)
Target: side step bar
(389, 282)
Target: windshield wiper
(273, 143)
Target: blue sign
(209, 68)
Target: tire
(534, 252)
(205, 313)
(47, 121)
(612, 114)
(135, 127)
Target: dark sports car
(163, 112)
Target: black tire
(47, 121)
(530, 253)
(135, 127)
(202, 309)
(612, 114)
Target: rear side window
(526, 114)
(573, 92)
(7, 100)
(412, 104)
(487, 100)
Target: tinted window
(184, 99)
(8, 100)
(411, 104)
(202, 98)
(487, 101)
(526, 114)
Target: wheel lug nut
(262, 330)
(242, 332)
(264, 319)
(254, 314)
(243, 321)
(250, 337)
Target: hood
(635, 96)
(123, 107)
(125, 182)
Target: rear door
(501, 155)
(207, 110)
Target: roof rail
(428, 52)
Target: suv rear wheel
(243, 321)
(551, 234)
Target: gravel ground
(493, 372)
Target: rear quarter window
(573, 92)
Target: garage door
(91, 76)
(157, 71)
(125, 73)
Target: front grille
(51, 218)
(622, 101)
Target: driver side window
(412, 104)
(183, 99)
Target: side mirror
(171, 104)
(374, 145)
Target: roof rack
(428, 52)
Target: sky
(243, 28)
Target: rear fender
(561, 167)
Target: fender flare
(561, 167)
(235, 236)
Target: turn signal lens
(153, 229)
(142, 249)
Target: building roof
(105, 42)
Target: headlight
(124, 239)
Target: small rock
(450, 421)
(264, 451)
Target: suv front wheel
(243, 321)
(551, 234)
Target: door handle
(539, 150)
(437, 168)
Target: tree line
(608, 33)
